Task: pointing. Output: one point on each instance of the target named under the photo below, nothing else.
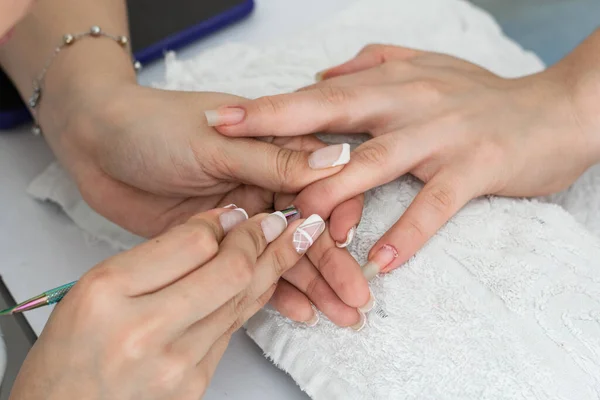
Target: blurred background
(550, 28)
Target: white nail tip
(370, 304)
(361, 324)
(280, 215)
(242, 211)
(311, 323)
(212, 117)
(349, 238)
(344, 157)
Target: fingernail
(360, 324)
(349, 238)
(225, 116)
(330, 156)
(307, 233)
(314, 320)
(370, 304)
(319, 76)
(232, 218)
(273, 225)
(380, 260)
(231, 206)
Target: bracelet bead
(95, 31)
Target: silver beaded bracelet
(67, 40)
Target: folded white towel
(504, 303)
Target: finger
(369, 57)
(206, 368)
(213, 284)
(374, 163)
(161, 261)
(279, 169)
(341, 272)
(383, 74)
(306, 278)
(344, 220)
(442, 197)
(293, 304)
(327, 109)
(281, 255)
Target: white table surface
(41, 248)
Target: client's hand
(153, 322)
(459, 128)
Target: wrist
(580, 74)
(81, 81)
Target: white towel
(503, 303)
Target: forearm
(85, 69)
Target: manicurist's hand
(152, 323)
(461, 129)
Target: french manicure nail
(225, 116)
(330, 156)
(273, 225)
(231, 206)
(370, 304)
(314, 320)
(380, 260)
(308, 232)
(349, 238)
(231, 218)
(360, 324)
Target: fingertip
(344, 220)
(293, 304)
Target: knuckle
(491, 152)
(96, 290)
(241, 269)
(441, 198)
(415, 229)
(314, 286)
(171, 372)
(283, 260)
(133, 343)
(371, 154)
(269, 105)
(201, 235)
(265, 297)
(374, 48)
(286, 161)
(327, 261)
(332, 95)
(428, 88)
(390, 70)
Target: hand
(153, 322)
(459, 128)
(147, 160)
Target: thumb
(280, 169)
